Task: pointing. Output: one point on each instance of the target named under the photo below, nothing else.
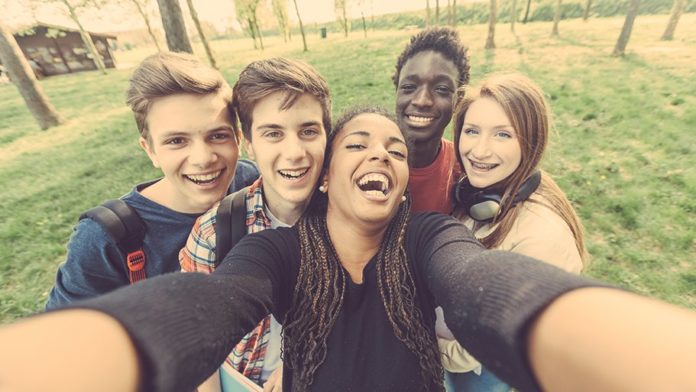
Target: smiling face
(288, 147)
(488, 145)
(368, 172)
(191, 139)
(424, 94)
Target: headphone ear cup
(486, 208)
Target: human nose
(481, 147)
(295, 150)
(379, 153)
(422, 97)
(202, 155)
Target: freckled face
(368, 173)
(424, 94)
(488, 144)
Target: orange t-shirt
(431, 186)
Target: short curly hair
(443, 40)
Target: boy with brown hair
(284, 109)
(181, 109)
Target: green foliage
(623, 149)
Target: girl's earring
(322, 188)
(403, 198)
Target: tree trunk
(490, 41)
(526, 12)
(427, 12)
(556, 19)
(299, 19)
(674, 16)
(258, 31)
(513, 15)
(252, 31)
(174, 26)
(146, 18)
(620, 48)
(201, 34)
(588, 7)
(364, 24)
(23, 77)
(437, 12)
(86, 39)
(345, 19)
(454, 13)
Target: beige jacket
(538, 232)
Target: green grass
(623, 150)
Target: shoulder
(541, 232)
(432, 230)
(245, 174)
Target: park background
(623, 148)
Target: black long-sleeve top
(183, 325)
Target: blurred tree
(299, 19)
(361, 6)
(280, 10)
(340, 6)
(437, 12)
(556, 18)
(677, 9)
(201, 34)
(23, 77)
(526, 12)
(620, 48)
(140, 6)
(246, 13)
(427, 12)
(174, 26)
(513, 15)
(490, 40)
(454, 13)
(588, 7)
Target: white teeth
(295, 173)
(483, 166)
(375, 177)
(202, 178)
(420, 119)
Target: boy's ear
(145, 145)
(248, 149)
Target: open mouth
(374, 184)
(293, 174)
(482, 166)
(201, 179)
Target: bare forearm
(598, 339)
(85, 349)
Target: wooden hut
(55, 50)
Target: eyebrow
(175, 133)
(392, 139)
(507, 126)
(279, 126)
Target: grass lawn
(625, 140)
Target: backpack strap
(125, 227)
(230, 222)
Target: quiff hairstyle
(262, 78)
(524, 104)
(168, 73)
(443, 40)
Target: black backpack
(125, 227)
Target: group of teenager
(398, 260)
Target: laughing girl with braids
(354, 283)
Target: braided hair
(321, 286)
